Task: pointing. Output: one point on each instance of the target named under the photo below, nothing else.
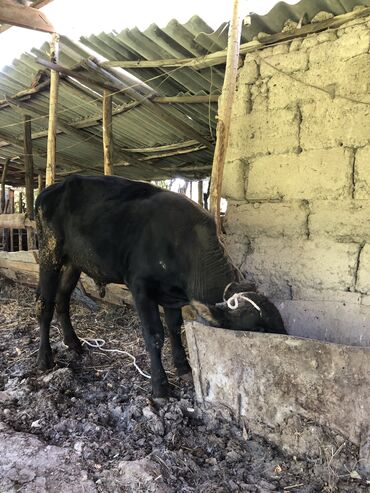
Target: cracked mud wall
(297, 180)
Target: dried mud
(90, 425)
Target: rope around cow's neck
(233, 302)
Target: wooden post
(20, 231)
(200, 192)
(40, 185)
(3, 178)
(53, 106)
(28, 165)
(11, 211)
(224, 113)
(107, 133)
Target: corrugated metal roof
(273, 21)
(138, 128)
(169, 138)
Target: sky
(75, 18)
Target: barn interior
(143, 104)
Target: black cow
(160, 244)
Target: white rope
(233, 302)
(99, 343)
(225, 291)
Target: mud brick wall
(297, 180)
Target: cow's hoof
(45, 361)
(186, 377)
(75, 345)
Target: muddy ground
(89, 425)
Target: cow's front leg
(154, 337)
(174, 321)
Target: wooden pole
(200, 192)
(3, 178)
(20, 207)
(11, 210)
(53, 107)
(28, 164)
(224, 113)
(107, 133)
(40, 184)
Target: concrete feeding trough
(297, 393)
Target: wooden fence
(23, 267)
(17, 232)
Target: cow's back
(79, 193)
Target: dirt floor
(90, 425)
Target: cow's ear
(204, 312)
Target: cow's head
(241, 310)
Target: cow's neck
(212, 272)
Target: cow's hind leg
(67, 282)
(48, 285)
(154, 338)
(174, 321)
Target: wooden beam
(123, 108)
(198, 63)
(211, 98)
(93, 120)
(177, 152)
(107, 133)
(3, 178)
(189, 169)
(37, 4)
(162, 155)
(117, 110)
(224, 113)
(76, 75)
(53, 109)
(16, 221)
(28, 165)
(169, 147)
(26, 93)
(14, 14)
